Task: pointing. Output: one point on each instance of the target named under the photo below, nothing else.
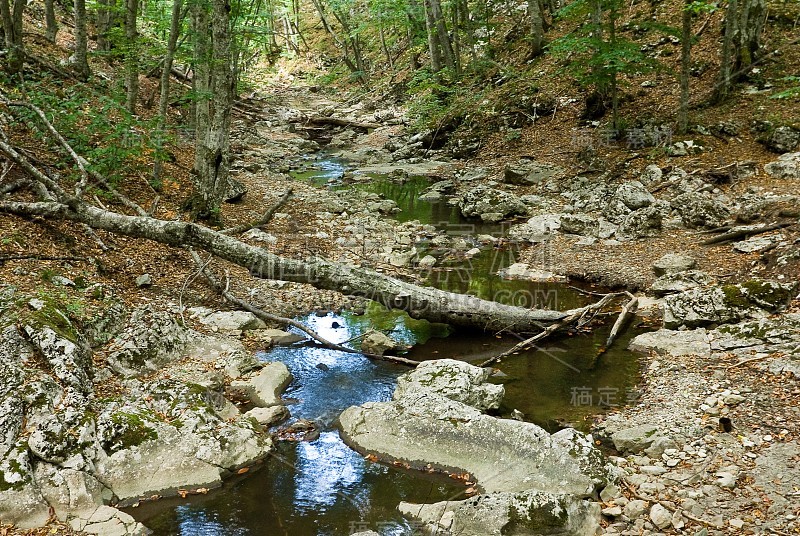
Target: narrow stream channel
(324, 488)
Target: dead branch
(736, 234)
(575, 315)
(745, 361)
(267, 317)
(263, 220)
(628, 310)
(59, 138)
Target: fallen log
(736, 234)
(427, 303)
(419, 302)
(628, 310)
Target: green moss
(131, 431)
(766, 292)
(734, 297)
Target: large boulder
(700, 209)
(453, 379)
(486, 202)
(377, 343)
(645, 222)
(673, 263)
(232, 320)
(671, 283)
(424, 428)
(428, 424)
(634, 195)
(172, 433)
(580, 224)
(537, 228)
(150, 340)
(527, 512)
(787, 166)
(673, 343)
(725, 304)
(635, 439)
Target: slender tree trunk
(536, 27)
(105, 18)
(751, 24)
(12, 31)
(131, 55)
(614, 86)
(466, 26)
(433, 42)
(443, 36)
(50, 20)
(81, 61)
(384, 47)
(686, 59)
(163, 99)
(725, 81)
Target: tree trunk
(131, 55)
(81, 62)
(214, 87)
(105, 21)
(686, 59)
(442, 36)
(12, 31)
(724, 81)
(50, 20)
(536, 27)
(419, 302)
(433, 42)
(163, 99)
(752, 15)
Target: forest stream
(322, 487)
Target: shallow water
(323, 487)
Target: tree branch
(575, 315)
(263, 220)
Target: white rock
(660, 516)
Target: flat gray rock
(673, 343)
(528, 512)
(264, 388)
(503, 455)
(453, 379)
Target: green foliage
(790, 93)
(97, 126)
(595, 52)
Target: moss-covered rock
(151, 339)
(726, 304)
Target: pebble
(613, 511)
(736, 523)
(653, 470)
(660, 516)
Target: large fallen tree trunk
(419, 302)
